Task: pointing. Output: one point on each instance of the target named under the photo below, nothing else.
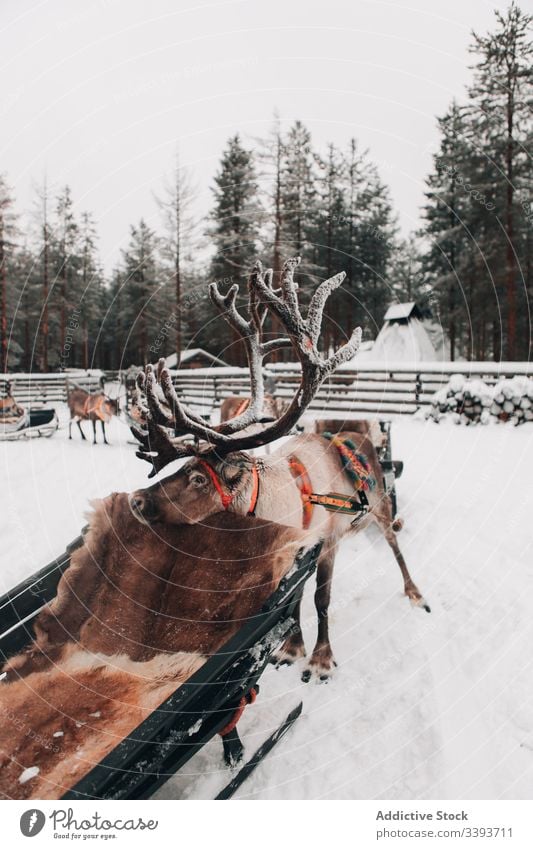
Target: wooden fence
(393, 390)
(40, 390)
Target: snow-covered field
(421, 706)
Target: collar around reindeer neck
(227, 497)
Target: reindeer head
(111, 406)
(203, 485)
(220, 476)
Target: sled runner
(209, 702)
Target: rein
(227, 497)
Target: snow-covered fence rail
(40, 389)
(394, 389)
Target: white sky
(99, 94)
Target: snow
(396, 311)
(189, 354)
(421, 705)
(27, 774)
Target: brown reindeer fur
(94, 407)
(231, 406)
(190, 496)
(136, 613)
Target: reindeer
(234, 405)
(137, 612)
(220, 472)
(95, 407)
(9, 409)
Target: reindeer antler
(251, 332)
(303, 335)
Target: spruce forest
(468, 264)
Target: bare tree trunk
(510, 250)
(277, 259)
(451, 321)
(177, 273)
(44, 320)
(3, 317)
(45, 302)
(85, 346)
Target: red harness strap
(227, 497)
(249, 699)
(303, 482)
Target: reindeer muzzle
(143, 508)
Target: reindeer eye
(197, 479)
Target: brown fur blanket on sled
(137, 612)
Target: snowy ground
(421, 706)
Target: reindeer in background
(220, 473)
(234, 405)
(85, 406)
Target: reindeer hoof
(292, 650)
(419, 601)
(321, 670)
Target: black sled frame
(196, 711)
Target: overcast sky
(99, 94)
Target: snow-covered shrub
(513, 400)
(464, 400)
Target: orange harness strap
(97, 409)
(303, 482)
(242, 407)
(227, 497)
(245, 700)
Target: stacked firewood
(471, 401)
(512, 400)
(464, 400)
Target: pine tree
(141, 305)
(368, 235)
(329, 226)
(92, 296)
(236, 220)
(44, 238)
(176, 244)
(65, 262)
(407, 276)
(448, 222)
(299, 199)
(501, 101)
(7, 235)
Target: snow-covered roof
(397, 311)
(191, 354)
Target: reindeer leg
(293, 648)
(410, 588)
(103, 431)
(94, 431)
(70, 429)
(322, 662)
(82, 433)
